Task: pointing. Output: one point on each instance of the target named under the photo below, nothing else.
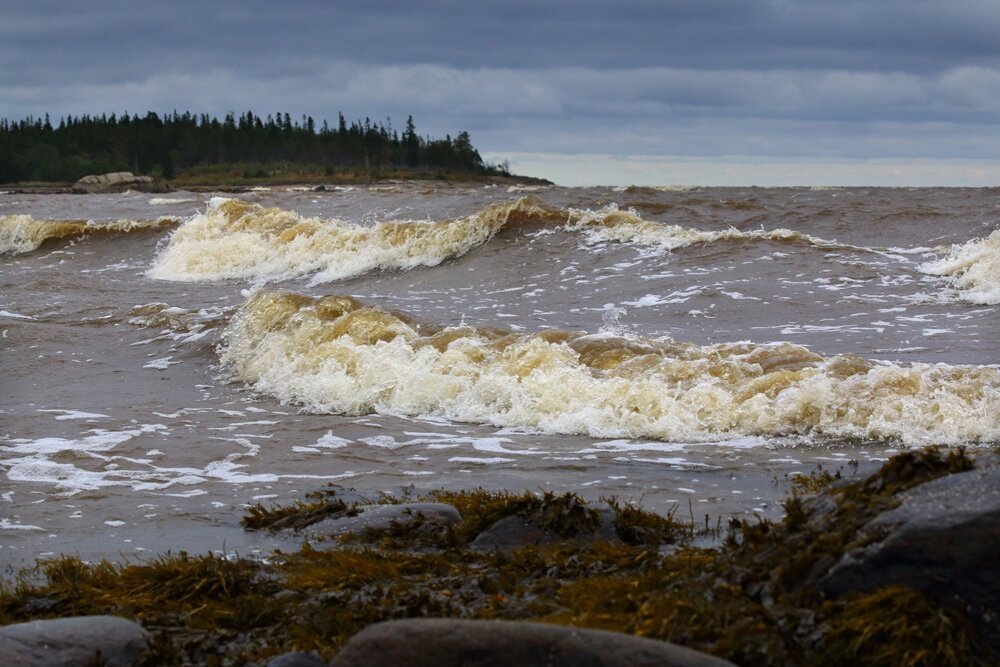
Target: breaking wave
(613, 224)
(22, 233)
(242, 240)
(237, 239)
(337, 355)
(973, 267)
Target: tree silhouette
(32, 149)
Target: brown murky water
(687, 348)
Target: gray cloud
(904, 35)
(848, 78)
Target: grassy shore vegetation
(190, 150)
(752, 599)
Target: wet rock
(517, 532)
(296, 659)
(606, 529)
(943, 540)
(349, 496)
(383, 517)
(71, 642)
(119, 181)
(319, 188)
(513, 532)
(452, 643)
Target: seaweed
(321, 504)
(895, 627)
(637, 526)
(566, 515)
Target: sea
(168, 360)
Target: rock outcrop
(943, 540)
(442, 642)
(119, 181)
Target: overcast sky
(895, 92)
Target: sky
(701, 92)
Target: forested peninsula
(185, 149)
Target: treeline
(35, 149)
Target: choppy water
(167, 359)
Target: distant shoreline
(319, 183)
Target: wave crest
(237, 239)
(974, 268)
(339, 355)
(613, 224)
(22, 233)
(242, 240)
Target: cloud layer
(705, 78)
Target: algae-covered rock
(943, 539)
(73, 642)
(384, 517)
(454, 643)
(517, 532)
(513, 532)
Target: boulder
(517, 532)
(943, 539)
(383, 517)
(296, 659)
(118, 181)
(73, 642)
(452, 643)
(513, 532)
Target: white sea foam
(973, 267)
(99, 440)
(7, 524)
(16, 316)
(166, 201)
(337, 355)
(75, 414)
(160, 364)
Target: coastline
(314, 182)
(841, 577)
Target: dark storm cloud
(835, 78)
(108, 39)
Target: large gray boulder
(384, 517)
(943, 539)
(73, 642)
(439, 642)
(118, 181)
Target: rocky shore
(896, 568)
(117, 182)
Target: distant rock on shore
(118, 181)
